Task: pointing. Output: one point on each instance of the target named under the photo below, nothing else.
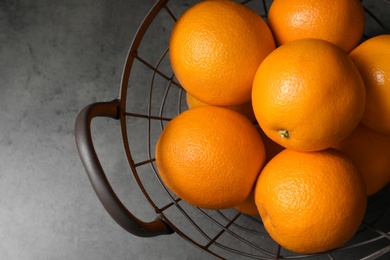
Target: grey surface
(55, 58)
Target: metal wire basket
(149, 97)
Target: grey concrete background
(55, 58)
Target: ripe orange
(340, 22)
(210, 156)
(370, 151)
(311, 201)
(271, 150)
(248, 206)
(308, 95)
(372, 58)
(245, 109)
(215, 49)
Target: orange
(308, 95)
(271, 150)
(370, 151)
(372, 58)
(245, 109)
(248, 206)
(210, 157)
(311, 202)
(340, 22)
(215, 49)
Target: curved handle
(98, 178)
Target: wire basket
(150, 96)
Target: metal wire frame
(228, 222)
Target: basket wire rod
(136, 56)
(233, 233)
(143, 162)
(126, 141)
(167, 206)
(244, 228)
(361, 244)
(175, 202)
(245, 2)
(147, 116)
(381, 233)
(150, 160)
(379, 218)
(153, 77)
(249, 255)
(132, 53)
(279, 248)
(264, 6)
(164, 98)
(134, 47)
(380, 23)
(221, 232)
(377, 254)
(170, 12)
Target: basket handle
(98, 178)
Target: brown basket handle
(98, 178)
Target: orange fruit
(245, 109)
(210, 156)
(340, 22)
(248, 206)
(370, 151)
(308, 95)
(271, 150)
(311, 202)
(215, 49)
(193, 102)
(372, 58)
